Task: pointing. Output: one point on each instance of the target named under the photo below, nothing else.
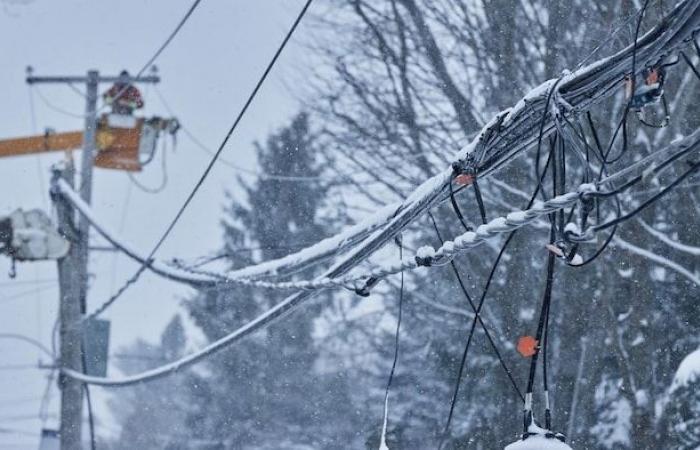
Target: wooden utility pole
(73, 268)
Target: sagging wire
(251, 172)
(164, 169)
(55, 108)
(615, 222)
(605, 156)
(690, 63)
(528, 418)
(477, 310)
(46, 398)
(477, 317)
(382, 442)
(458, 212)
(479, 201)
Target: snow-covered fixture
(30, 236)
(538, 438)
(688, 371)
(50, 440)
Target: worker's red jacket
(131, 96)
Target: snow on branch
(695, 251)
(692, 277)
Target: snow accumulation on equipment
(538, 439)
(538, 443)
(688, 371)
(495, 146)
(30, 236)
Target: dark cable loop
(479, 201)
(457, 211)
(477, 318)
(648, 202)
(483, 298)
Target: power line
(252, 172)
(487, 285)
(581, 90)
(209, 167)
(10, 284)
(22, 294)
(202, 278)
(382, 444)
(162, 47)
(28, 340)
(49, 104)
(5, 367)
(170, 37)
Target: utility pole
(73, 268)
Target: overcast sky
(207, 72)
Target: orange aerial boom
(120, 141)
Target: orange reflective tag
(527, 346)
(464, 179)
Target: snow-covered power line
(442, 255)
(506, 136)
(425, 256)
(281, 266)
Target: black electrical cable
(625, 142)
(538, 152)
(163, 46)
(545, 368)
(479, 201)
(654, 171)
(396, 341)
(456, 209)
(633, 82)
(606, 160)
(483, 298)
(690, 64)
(558, 177)
(654, 198)
(559, 182)
(477, 316)
(167, 42)
(604, 156)
(209, 167)
(610, 237)
(546, 300)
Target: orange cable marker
(464, 179)
(527, 346)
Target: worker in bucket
(123, 96)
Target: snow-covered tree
(269, 392)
